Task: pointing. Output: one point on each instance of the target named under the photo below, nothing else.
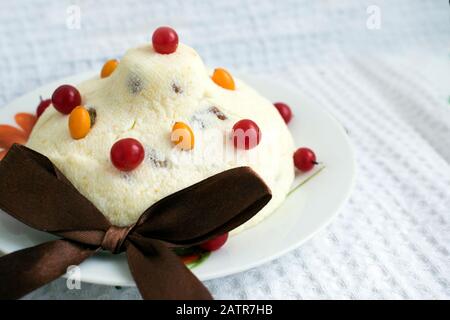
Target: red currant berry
(165, 40)
(304, 159)
(284, 111)
(66, 98)
(246, 134)
(215, 244)
(127, 154)
(43, 105)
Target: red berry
(165, 40)
(43, 105)
(284, 111)
(215, 244)
(127, 154)
(304, 159)
(246, 134)
(65, 98)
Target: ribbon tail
(25, 270)
(160, 274)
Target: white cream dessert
(142, 99)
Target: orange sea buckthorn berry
(182, 136)
(222, 78)
(109, 68)
(79, 123)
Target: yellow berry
(79, 123)
(182, 136)
(109, 68)
(222, 78)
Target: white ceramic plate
(306, 211)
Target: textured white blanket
(382, 70)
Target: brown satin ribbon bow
(35, 192)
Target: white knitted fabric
(389, 87)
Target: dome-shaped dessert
(144, 96)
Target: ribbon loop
(114, 239)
